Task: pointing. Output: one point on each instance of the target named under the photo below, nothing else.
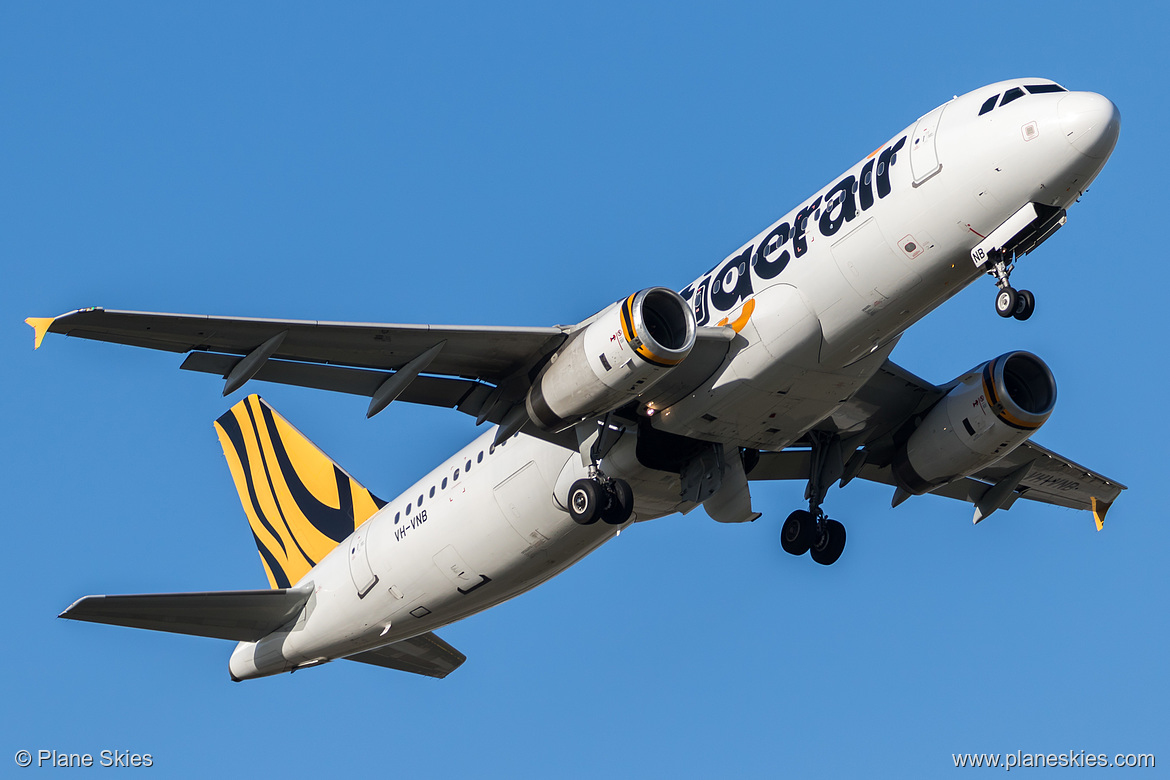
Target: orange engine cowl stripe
(636, 343)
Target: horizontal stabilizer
(242, 615)
(425, 654)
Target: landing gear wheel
(797, 533)
(1005, 302)
(586, 500)
(621, 502)
(1025, 305)
(829, 543)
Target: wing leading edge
(488, 353)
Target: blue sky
(522, 164)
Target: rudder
(300, 504)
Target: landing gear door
(924, 161)
(524, 499)
(363, 575)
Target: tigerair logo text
(730, 282)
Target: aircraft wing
(482, 371)
(488, 353)
(425, 654)
(894, 395)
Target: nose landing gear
(1010, 302)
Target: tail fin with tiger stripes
(299, 503)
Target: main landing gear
(812, 531)
(1010, 302)
(600, 498)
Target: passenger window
(397, 517)
(988, 104)
(1040, 89)
(456, 474)
(408, 510)
(444, 483)
(1012, 94)
(479, 458)
(420, 498)
(467, 466)
(432, 493)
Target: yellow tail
(299, 503)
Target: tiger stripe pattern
(299, 503)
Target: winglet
(40, 326)
(1100, 508)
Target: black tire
(586, 500)
(829, 544)
(621, 502)
(1025, 305)
(796, 535)
(1005, 302)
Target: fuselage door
(360, 570)
(924, 161)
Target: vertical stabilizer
(299, 503)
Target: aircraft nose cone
(1090, 122)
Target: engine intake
(989, 412)
(613, 358)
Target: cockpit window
(1010, 95)
(988, 104)
(1039, 89)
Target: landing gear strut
(599, 497)
(812, 531)
(1009, 302)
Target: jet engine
(989, 412)
(613, 358)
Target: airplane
(773, 365)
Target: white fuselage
(819, 299)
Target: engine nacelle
(992, 410)
(615, 358)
